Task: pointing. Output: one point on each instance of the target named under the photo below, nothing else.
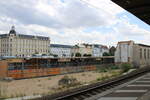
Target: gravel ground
(45, 85)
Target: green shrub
(102, 69)
(78, 54)
(103, 78)
(68, 81)
(106, 54)
(126, 67)
(98, 79)
(49, 78)
(114, 67)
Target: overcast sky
(73, 21)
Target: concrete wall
(130, 52)
(124, 52)
(142, 59)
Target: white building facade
(124, 51)
(61, 51)
(98, 50)
(130, 52)
(20, 45)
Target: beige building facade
(94, 50)
(20, 45)
(131, 52)
(83, 49)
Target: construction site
(20, 68)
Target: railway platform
(137, 89)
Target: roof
(104, 47)
(3, 35)
(60, 46)
(32, 36)
(144, 45)
(125, 42)
(140, 8)
(100, 45)
(12, 31)
(25, 36)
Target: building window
(140, 53)
(148, 54)
(145, 53)
(10, 45)
(10, 40)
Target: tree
(55, 55)
(44, 54)
(87, 55)
(78, 54)
(112, 51)
(106, 54)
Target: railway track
(88, 91)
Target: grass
(103, 73)
(49, 78)
(106, 68)
(108, 75)
(83, 74)
(125, 67)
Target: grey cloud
(78, 14)
(74, 14)
(25, 12)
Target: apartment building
(94, 50)
(131, 52)
(20, 45)
(98, 50)
(61, 51)
(82, 49)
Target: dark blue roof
(26, 36)
(3, 35)
(60, 46)
(32, 36)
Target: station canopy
(140, 8)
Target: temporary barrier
(14, 71)
(15, 76)
(29, 73)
